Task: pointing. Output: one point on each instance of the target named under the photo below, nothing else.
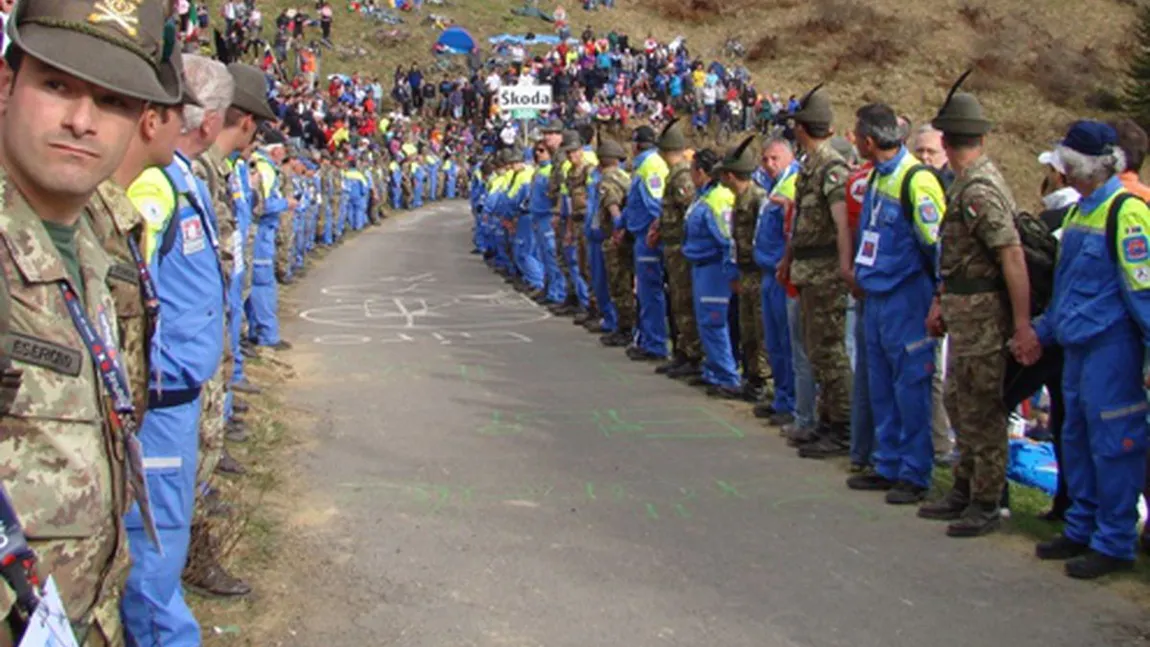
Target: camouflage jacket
(981, 217)
(576, 182)
(60, 462)
(612, 193)
(212, 167)
(743, 219)
(821, 182)
(114, 218)
(556, 180)
(678, 198)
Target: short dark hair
(878, 121)
(706, 159)
(1133, 142)
(954, 140)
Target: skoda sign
(525, 97)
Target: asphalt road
(478, 473)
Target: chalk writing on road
(655, 500)
(440, 337)
(669, 423)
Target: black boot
(1060, 548)
(725, 392)
(1094, 565)
(951, 506)
(834, 441)
(637, 354)
(764, 410)
(617, 339)
(870, 482)
(689, 368)
(799, 436)
(979, 518)
(754, 390)
(666, 367)
(905, 493)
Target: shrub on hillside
(766, 48)
(695, 11)
(1066, 77)
(836, 16)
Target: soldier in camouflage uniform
(688, 350)
(819, 262)
(617, 246)
(981, 298)
(555, 193)
(735, 174)
(62, 460)
(577, 177)
(286, 232)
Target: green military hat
(115, 44)
(610, 149)
(740, 159)
(173, 78)
(571, 141)
(251, 94)
(961, 113)
(552, 126)
(814, 109)
(672, 137)
(507, 157)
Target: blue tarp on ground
(455, 40)
(1033, 464)
(537, 39)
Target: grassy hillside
(1040, 63)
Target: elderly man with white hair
(180, 248)
(1100, 316)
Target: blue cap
(1091, 138)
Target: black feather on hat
(740, 159)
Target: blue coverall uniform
(240, 186)
(181, 248)
(644, 206)
(770, 245)
(896, 266)
(1100, 315)
(450, 179)
(263, 302)
(526, 259)
(542, 210)
(418, 179)
(711, 251)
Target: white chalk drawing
(421, 302)
(442, 338)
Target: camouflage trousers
(974, 401)
(752, 337)
(407, 188)
(212, 403)
(88, 579)
(285, 243)
(682, 303)
(823, 305)
(249, 256)
(560, 229)
(584, 260)
(620, 261)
